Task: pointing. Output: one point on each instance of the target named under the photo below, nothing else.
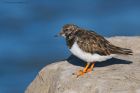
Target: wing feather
(91, 42)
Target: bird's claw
(79, 73)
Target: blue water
(27, 29)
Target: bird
(89, 46)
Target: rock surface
(117, 75)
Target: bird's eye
(66, 29)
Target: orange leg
(91, 67)
(85, 69)
(82, 72)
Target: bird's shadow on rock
(76, 61)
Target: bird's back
(91, 42)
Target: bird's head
(69, 29)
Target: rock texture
(118, 75)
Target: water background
(27, 29)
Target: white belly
(88, 57)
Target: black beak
(58, 35)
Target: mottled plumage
(90, 46)
(91, 42)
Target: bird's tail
(119, 50)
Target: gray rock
(118, 75)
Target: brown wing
(91, 42)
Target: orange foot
(85, 70)
(79, 73)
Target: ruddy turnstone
(89, 46)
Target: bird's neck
(70, 39)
